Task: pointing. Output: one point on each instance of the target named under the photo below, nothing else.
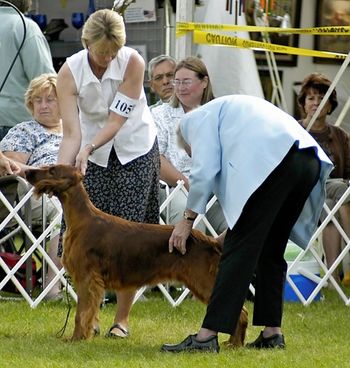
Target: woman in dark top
(335, 142)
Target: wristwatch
(188, 217)
(92, 148)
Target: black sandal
(119, 327)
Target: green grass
(316, 336)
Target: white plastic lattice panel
(326, 274)
(35, 245)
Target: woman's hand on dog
(7, 166)
(179, 236)
(82, 159)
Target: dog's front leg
(89, 300)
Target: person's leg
(216, 218)
(134, 188)
(177, 207)
(242, 246)
(102, 186)
(54, 291)
(162, 198)
(51, 213)
(38, 218)
(245, 242)
(125, 299)
(271, 268)
(344, 212)
(331, 241)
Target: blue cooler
(303, 275)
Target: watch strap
(188, 217)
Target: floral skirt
(130, 191)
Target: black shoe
(274, 341)
(191, 344)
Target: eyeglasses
(160, 77)
(103, 53)
(48, 100)
(187, 83)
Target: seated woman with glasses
(36, 143)
(192, 88)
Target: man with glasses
(160, 73)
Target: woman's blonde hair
(104, 25)
(37, 86)
(196, 65)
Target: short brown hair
(320, 83)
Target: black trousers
(257, 242)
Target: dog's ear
(45, 186)
(73, 175)
(66, 177)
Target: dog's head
(53, 179)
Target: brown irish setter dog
(107, 252)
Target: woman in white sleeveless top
(108, 130)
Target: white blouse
(137, 135)
(167, 119)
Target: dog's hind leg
(90, 294)
(237, 339)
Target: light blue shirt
(237, 141)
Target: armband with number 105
(122, 105)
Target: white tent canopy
(232, 70)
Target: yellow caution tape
(214, 39)
(320, 31)
(180, 33)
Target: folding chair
(9, 187)
(12, 208)
(164, 218)
(327, 275)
